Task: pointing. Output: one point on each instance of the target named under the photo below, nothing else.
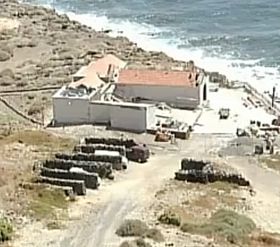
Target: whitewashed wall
(184, 97)
(128, 118)
(99, 113)
(70, 111)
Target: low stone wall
(90, 157)
(104, 170)
(90, 179)
(78, 186)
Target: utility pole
(273, 96)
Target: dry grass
(272, 162)
(39, 138)
(206, 202)
(223, 186)
(30, 146)
(265, 240)
(6, 230)
(47, 203)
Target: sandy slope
(6, 24)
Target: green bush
(226, 224)
(136, 243)
(130, 228)
(6, 230)
(170, 218)
(141, 243)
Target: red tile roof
(157, 77)
(101, 66)
(91, 81)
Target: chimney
(190, 66)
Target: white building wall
(178, 96)
(151, 119)
(99, 113)
(70, 110)
(128, 118)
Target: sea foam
(147, 37)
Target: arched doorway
(204, 92)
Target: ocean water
(240, 39)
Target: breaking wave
(214, 53)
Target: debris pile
(198, 171)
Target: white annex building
(79, 107)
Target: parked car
(224, 113)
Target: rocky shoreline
(47, 47)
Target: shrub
(132, 228)
(128, 244)
(7, 73)
(155, 235)
(21, 84)
(44, 202)
(54, 225)
(136, 243)
(141, 243)
(6, 230)
(170, 218)
(226, 224)
(30, 96)
(34, 109)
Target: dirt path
(134, 189)
(131, 192)
(266, 203)
(28, 90)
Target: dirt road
(133, 190)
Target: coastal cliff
(45, 48)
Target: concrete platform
(240, 115)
